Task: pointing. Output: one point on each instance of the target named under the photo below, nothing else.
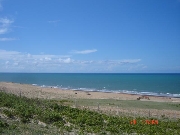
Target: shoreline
(150, 94)
(43, 92)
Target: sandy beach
(56, 93)
(31, 91)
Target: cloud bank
(12, 61)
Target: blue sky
(124, 36)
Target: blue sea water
(146, 84)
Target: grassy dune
(21, 115)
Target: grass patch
(129, 103)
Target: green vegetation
(20, 114)
(130, 104)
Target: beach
(31, 91)
(56, 93)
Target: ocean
(157, 84)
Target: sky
(90, 36)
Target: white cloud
(130, 61)
(67, 60)
(47, 58)
(4, 25)
(18, 61)
(7, 39)
(8, 54)
(14, 55)
(5, 21)
(84, 51)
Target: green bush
(3, 124)
(8, 113)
